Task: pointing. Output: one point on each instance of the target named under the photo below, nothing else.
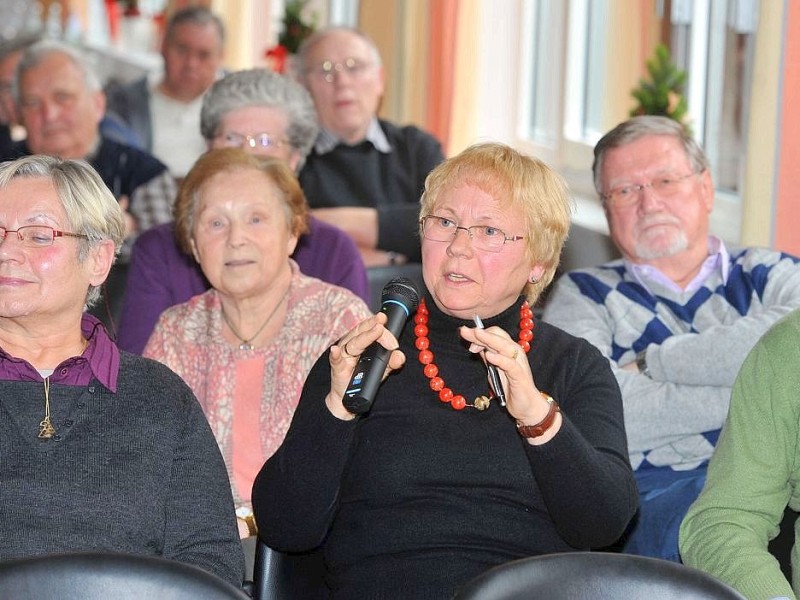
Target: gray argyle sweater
(695, 343)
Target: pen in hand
(494, 376)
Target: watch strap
(542, 427)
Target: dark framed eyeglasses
(38, 236)
(483, 237)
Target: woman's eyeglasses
(483, 237)
(259, 140)
(38, 236)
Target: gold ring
(516, 353)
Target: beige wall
(399, 29)
(760, 173)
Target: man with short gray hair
(164, 114)
(676, 316)
(61, 104)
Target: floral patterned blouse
(249, 396)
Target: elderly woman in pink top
(246, 346)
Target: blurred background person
(246, 345)
(438, 484)
(101, 450)
(61, 104)
(265, 114)
(10, 122)
(364, 175)
(165, 114)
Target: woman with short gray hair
(262, 88)
(101, 450)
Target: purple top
(100, 360)
(160, 275)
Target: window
(579, 87)
(714, 42)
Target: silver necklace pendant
(246, 346)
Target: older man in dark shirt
(364, 175)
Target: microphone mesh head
(401, 289)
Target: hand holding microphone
(398, 300)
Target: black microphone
(399, 298)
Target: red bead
(458, 402)
(425, 357)
(431, 371)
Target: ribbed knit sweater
(134, 471)
(753, 474)
(695, 344)
(415, 499)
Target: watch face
(243, 512)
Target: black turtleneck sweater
(415, 499)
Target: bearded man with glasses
(676, 316)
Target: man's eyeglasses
(328, 69)
(38, 236)
(484, 237)
(259, 140)
(625, 196)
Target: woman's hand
(524, 402)
(345, 354)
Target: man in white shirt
(165, 114)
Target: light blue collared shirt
(327, 141)
(718, 258)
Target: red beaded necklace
(431, 371)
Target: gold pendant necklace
(246, 343)
(46, 429)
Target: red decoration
(113, 14)
(277, 57)
(431, 371)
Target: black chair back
(593, 575)
(100, 576)
(282, 576)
